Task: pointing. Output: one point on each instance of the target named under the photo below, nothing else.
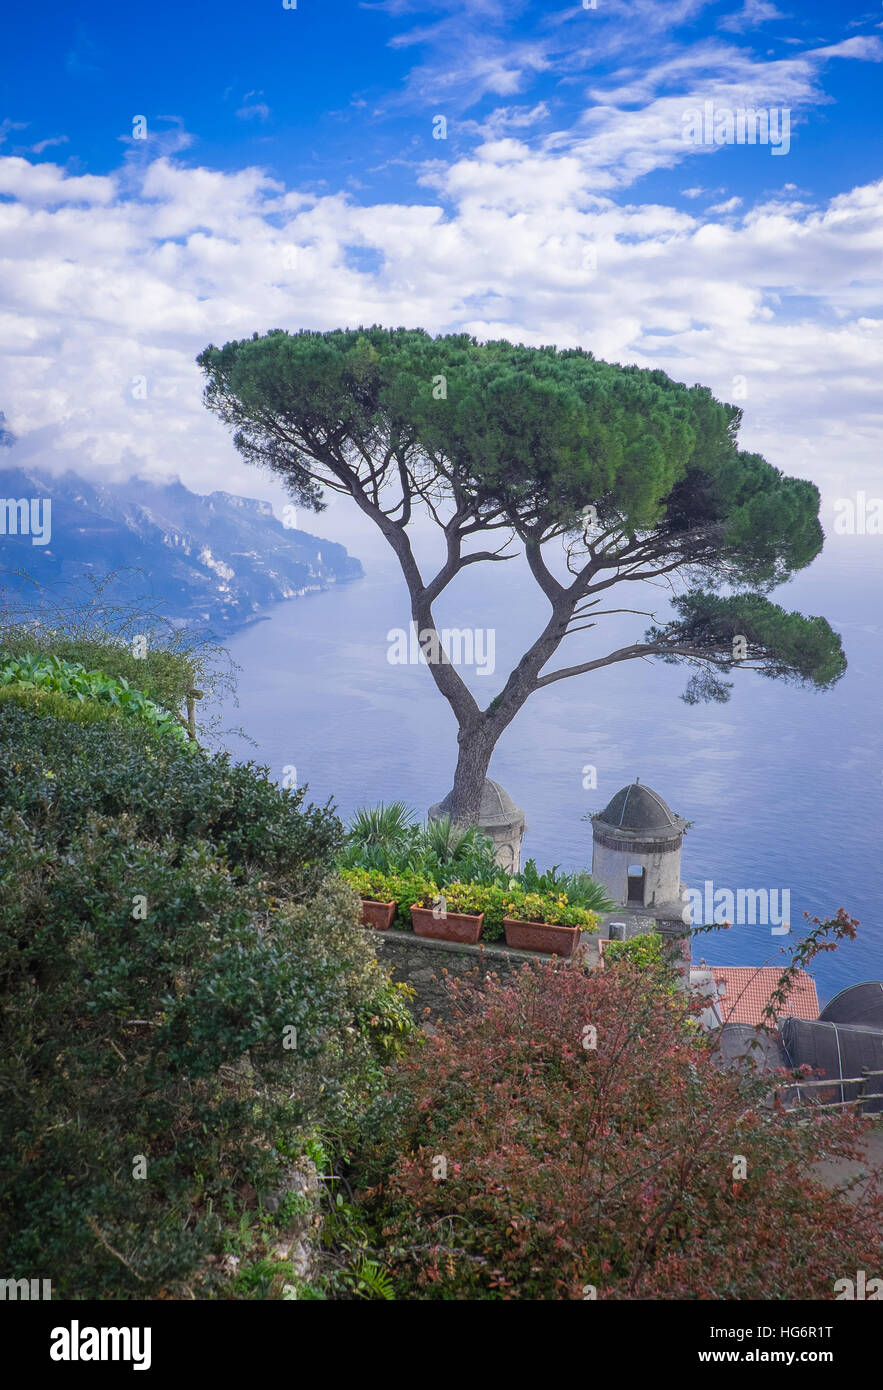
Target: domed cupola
(637, 848)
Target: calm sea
(783, 786)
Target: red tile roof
(748, 991)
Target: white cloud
(618, 145)
(45, 185)
(6, 125)
(256, 111)
(504, 118)
(109, 279)
(752, 14)
(42, 145)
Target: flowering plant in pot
(379, 895)
(413, 886)
(545, 922)
(489, 899)
(452, 913)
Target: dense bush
(642, 950)
(54, 705)
(164, 672)
(53, 774)
(182, 979)
(48, 673)
(572, 1135)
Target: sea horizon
(781, 786)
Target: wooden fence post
(192, 696)
(862, 1091)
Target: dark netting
(743, 1045)
(740, 1042)
(857, 1004)
(840, 1052)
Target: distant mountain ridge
(216, 559)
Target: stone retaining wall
(427, 966)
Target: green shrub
(642, 950)
(387, 839)
(388, 827)
(165, 672)
(410, 888)
(162, 998)
(447, 853)
(52, 705)
(54, 773)
(49, 673)
(648, 953)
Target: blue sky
(290, 178)
(335, 95)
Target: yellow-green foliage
(54, 705)
(40, 671)
(163, 674)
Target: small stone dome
(636, 850)
(641, 810)
(497, 806)
(499, 818)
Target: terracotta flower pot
(540, 936)
(378, 915)
(454, 926)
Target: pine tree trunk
(473, 762)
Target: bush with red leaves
(572, 1136)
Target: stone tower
(636, 850)
(499, 818)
